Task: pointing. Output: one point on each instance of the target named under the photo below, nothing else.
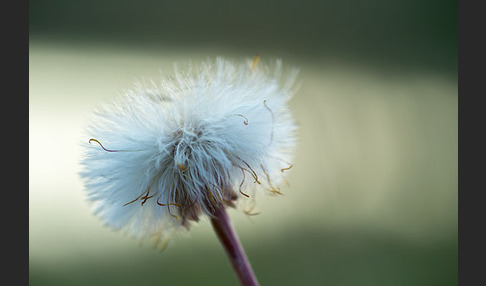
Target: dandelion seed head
(163, 155)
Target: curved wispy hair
(165, 153)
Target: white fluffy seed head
(164, 154)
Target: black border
(15, 135)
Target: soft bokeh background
(373, 193)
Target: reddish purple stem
(233, 248)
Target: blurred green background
(373, 193)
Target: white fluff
(182, 147)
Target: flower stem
(233, 248)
